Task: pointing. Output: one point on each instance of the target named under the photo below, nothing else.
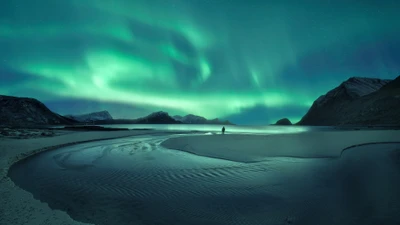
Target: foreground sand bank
(18, 206)
(253, 148)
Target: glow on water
(135, 179)
(217, 128)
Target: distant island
(283, 121)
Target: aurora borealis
(252, 62)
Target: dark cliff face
(357, 101)
(379, 108)
(16, 111)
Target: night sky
(249, 61)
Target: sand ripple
(135, 181)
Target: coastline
(18, 206)
(254, 148)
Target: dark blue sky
(253, 62)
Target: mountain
(178, 118)
(17, 111)
(217, 121)
(90, 117)
(283, 121)
(193, 119)
(157, 118)
(164, 118)
(153, 118)
(357, 101)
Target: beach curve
(166, 185)
(40, 213)
(20, 202)
(255, 148)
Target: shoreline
(254, 148)
(18, 206)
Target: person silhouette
(223, 130)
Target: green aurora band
(212, 58)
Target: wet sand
(19, 207)
(254, 148)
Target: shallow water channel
(136, 181)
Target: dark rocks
(21, 133)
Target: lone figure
(223, 130)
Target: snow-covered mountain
(90, 117)
(347, 103)
(351, 89)
(25, 112)
(193, 119)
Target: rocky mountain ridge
(90, 117)
(193, 119)
(24, 112)
(357, 101)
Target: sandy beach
(18, 206)
(253, 148)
